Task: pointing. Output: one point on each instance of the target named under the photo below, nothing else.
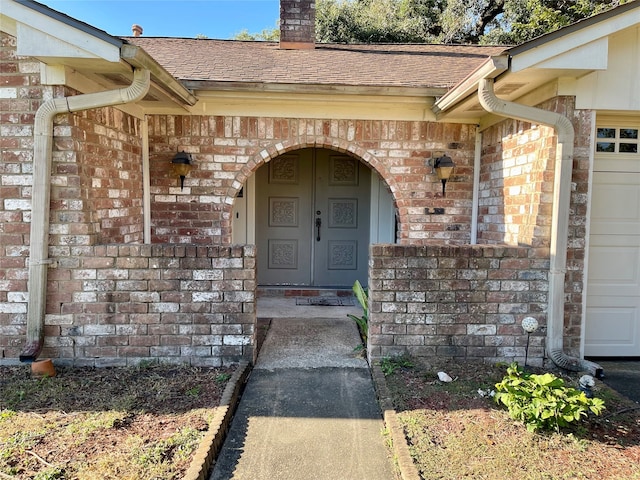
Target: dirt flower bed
(456, 430)
(107, 423)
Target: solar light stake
(529, 325)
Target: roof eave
(491, 68)
(137, 57)
(310, 88)
(72, 22)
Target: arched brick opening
(336, 144)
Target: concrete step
(290, 291)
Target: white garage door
(613, 301)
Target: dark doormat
(325, 301)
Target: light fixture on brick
(181, 165)
(443, 166)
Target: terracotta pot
(43, 368)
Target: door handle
(318, 225)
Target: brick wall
(120, 304)
(516, 188)
(20, 96)
(104, 162)
(456, 302)
(516, 184)
(227, 150)
(96, 180)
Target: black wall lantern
(181, 164)
(443, 165)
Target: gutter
(491, 68)
(42, 155)
(138, 58)
(559, 220)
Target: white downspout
(42, 154)
(559, 219)
(477, 157)
(146, 182)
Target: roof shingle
(379, 65)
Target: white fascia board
(563, 46)
(40, 35)
(36, 43)
(7, 25)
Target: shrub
(543, 402)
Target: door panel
(613, 303)
(283, 218)
(312, 219)
(343, 187)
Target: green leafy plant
(194, 391)
(363, 321)
(223, 377)
(543, 402)
(389, 365)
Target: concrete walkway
(309, 409)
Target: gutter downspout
(477, 157)
(42, 157)
(559, 219)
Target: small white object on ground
(444, 377)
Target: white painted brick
(205, 297)
(58, 319)
(85, 297)
(164, 307)
(18, 297)
(99, 329)
(236, 340)
(16, 204)
(208, 274)
(143, 297)
(481, 329)
(16, 180)
(8, 93)
(13, 308)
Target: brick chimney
(297, 24)
(136, 29)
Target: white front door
(613, 298)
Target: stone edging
(212, 442)
(408, 470)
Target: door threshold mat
(326, 301)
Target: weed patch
(110, 423)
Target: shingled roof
(381, 65)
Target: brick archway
(336, 144)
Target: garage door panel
(614, 271)
(615, 204)
(624, 165)
(612, 323)
(612, 331)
